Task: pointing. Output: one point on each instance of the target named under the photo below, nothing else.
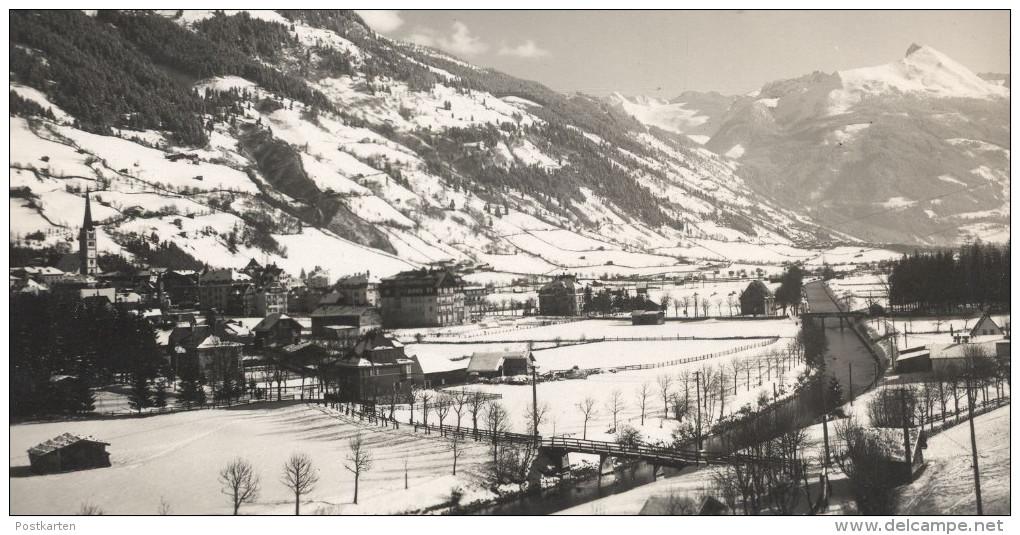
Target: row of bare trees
(705, 303)
(937, 394)
(776, 471)
(242, 484)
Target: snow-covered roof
(61, 442)
(490, 362)
(339, 310)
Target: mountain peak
(924, 71)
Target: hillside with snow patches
(913, 151)
(375, 172)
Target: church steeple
(87, 223)
(87, 242)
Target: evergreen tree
(140, 396)
(83, 398)
(159, 397)
(192, 392)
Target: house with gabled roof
(363, 318)
(562, 296)
(376, 369)
(757, 300)
(68, 452)
(486, 364)
(986, 326)
(276, 330)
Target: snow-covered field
(947, 485)
(622, 328)
(562, 397)
(177, 457)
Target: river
(571, 493)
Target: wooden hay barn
(68, 452)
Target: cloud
(527, 49)
(461, 42)
(381, 20)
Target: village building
(271, 299)
(27, 286)
(563, 296)
(362, 318)
(488, 365)
(376, 369)
(957, 355)
(318, 279)
(422, 298)
(647, 317)
(303, 300)
(181, 287)
(757, 300)
(45, 275)
(199, 346)
(68, 452)
(440, 371)
(986, 326)
(359, 289)
(225, 290)
(276, 330)
(894, 461)
(475, 302)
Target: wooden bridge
(555, 449)
(821, 303)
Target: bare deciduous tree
(459, 400)
(615, 405)
(587, 408)
(497, 421)
(425, 397)
(455, 448)
(643, 393)
(359, 460)
(442, 405)
(664, 382)
(475, 403)
(164, 507)
(532, 418)
(240, 482)
(300, 477)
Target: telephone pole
(906, 433)
(973, 448)
(697, 386)
(534, 398)
(825, 423)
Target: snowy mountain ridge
(368, 155)
(854, 148)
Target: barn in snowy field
(757, 300)
(68, 452)
(500, 364)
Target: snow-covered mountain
(305, 138)
(912, 151)
(696, 114)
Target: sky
(663, 53)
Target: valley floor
(177, 457)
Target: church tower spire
(87, 241)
